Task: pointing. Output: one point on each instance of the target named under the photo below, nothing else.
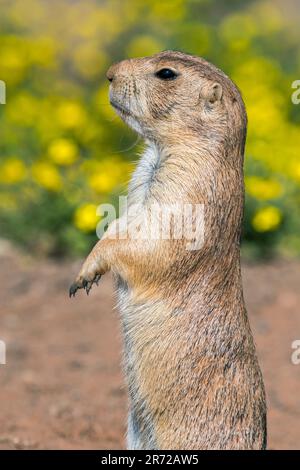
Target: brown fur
(191, 367)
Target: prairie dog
(190, 362)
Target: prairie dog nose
(115, 70)
(110, 74)
(120, 69)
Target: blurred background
(63, 151)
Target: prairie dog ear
(213, 92)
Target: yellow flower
(106, 175)
(23, 109)
(70, 115)
(160, 10)
(89, 60)
(267, 219)
(85, 217)
(103, 182)
(47, 176)
(42, 52)
(295, 170)
(238, 26)
(263, 189)
(268, 17)
(63, 151)
(143, 46)
(12, 171)
(13, 65)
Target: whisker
(131, 146)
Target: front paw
(91, 271)
(84, 283)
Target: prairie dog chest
(144, 176)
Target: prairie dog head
(172, 95)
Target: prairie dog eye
(166, 74)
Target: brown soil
(62, 386)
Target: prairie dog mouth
(127, 116)
(120, 107)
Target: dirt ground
(62, 386)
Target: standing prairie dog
(191, 368)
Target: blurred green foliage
(64, 151)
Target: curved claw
(88, 287)
(85, 284)
(73, 289)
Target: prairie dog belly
(140, 432)
(143, 176)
